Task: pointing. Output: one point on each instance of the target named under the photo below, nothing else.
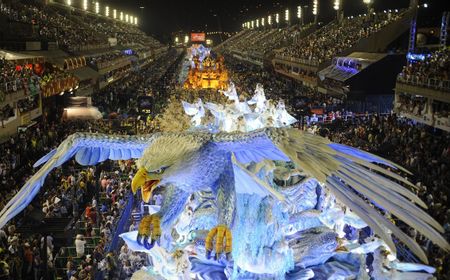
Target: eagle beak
(147, 189)
(139, 179)
(146, 182)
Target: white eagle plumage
(353, 176)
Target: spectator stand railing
(437, 84)
(297, 60)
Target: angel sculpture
(231, 92)
(259, 99)
(185, 163)
(283, 118)
(196, 110)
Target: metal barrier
(297, 60)
(428, 83)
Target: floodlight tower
(287, 17)
(300, 15)
(338, 8)
(369, 6)
(315, 10)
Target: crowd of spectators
(21, 256)
(261, 41)
(53, 24)
(105, 60)
(74, 30)
(432, 71)
(335, 37)
(414, 105)
(13, 78)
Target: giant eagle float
(237, 170)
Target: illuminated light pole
(337, 8)
(121, 16)
(136, 21)
(97, 7)
(107, 11)
(262, 22)
(257, 23)
(186, 39)
(269, 20)
(176, 40)
(253, 24)
(286, 16)
(277, 19)
(126, 17)
(85, 5)
(369, 6)
(300, 15)
(115, 14)
(315, 10)
(69, 2)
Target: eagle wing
(88, 149)
(355, 178)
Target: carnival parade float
(205, 72)
(248, 197)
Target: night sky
(162, 17)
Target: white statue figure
(388, 267)
(196, 110)
(218, 111)
(283, 118)
(238, 116)
(259, 99)
(231, 92)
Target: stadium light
(257, 23)
(126, 17)
(253, 24)
(369, 5)
(299, 12)
(315, 7)
(286, 15)
(97, 7)
(121, 16)
(262, 21)
(85, 5)
(69, 2)
(277, 18)
(114, 13)
(107, 11)
(269, 20)
(336, 5)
